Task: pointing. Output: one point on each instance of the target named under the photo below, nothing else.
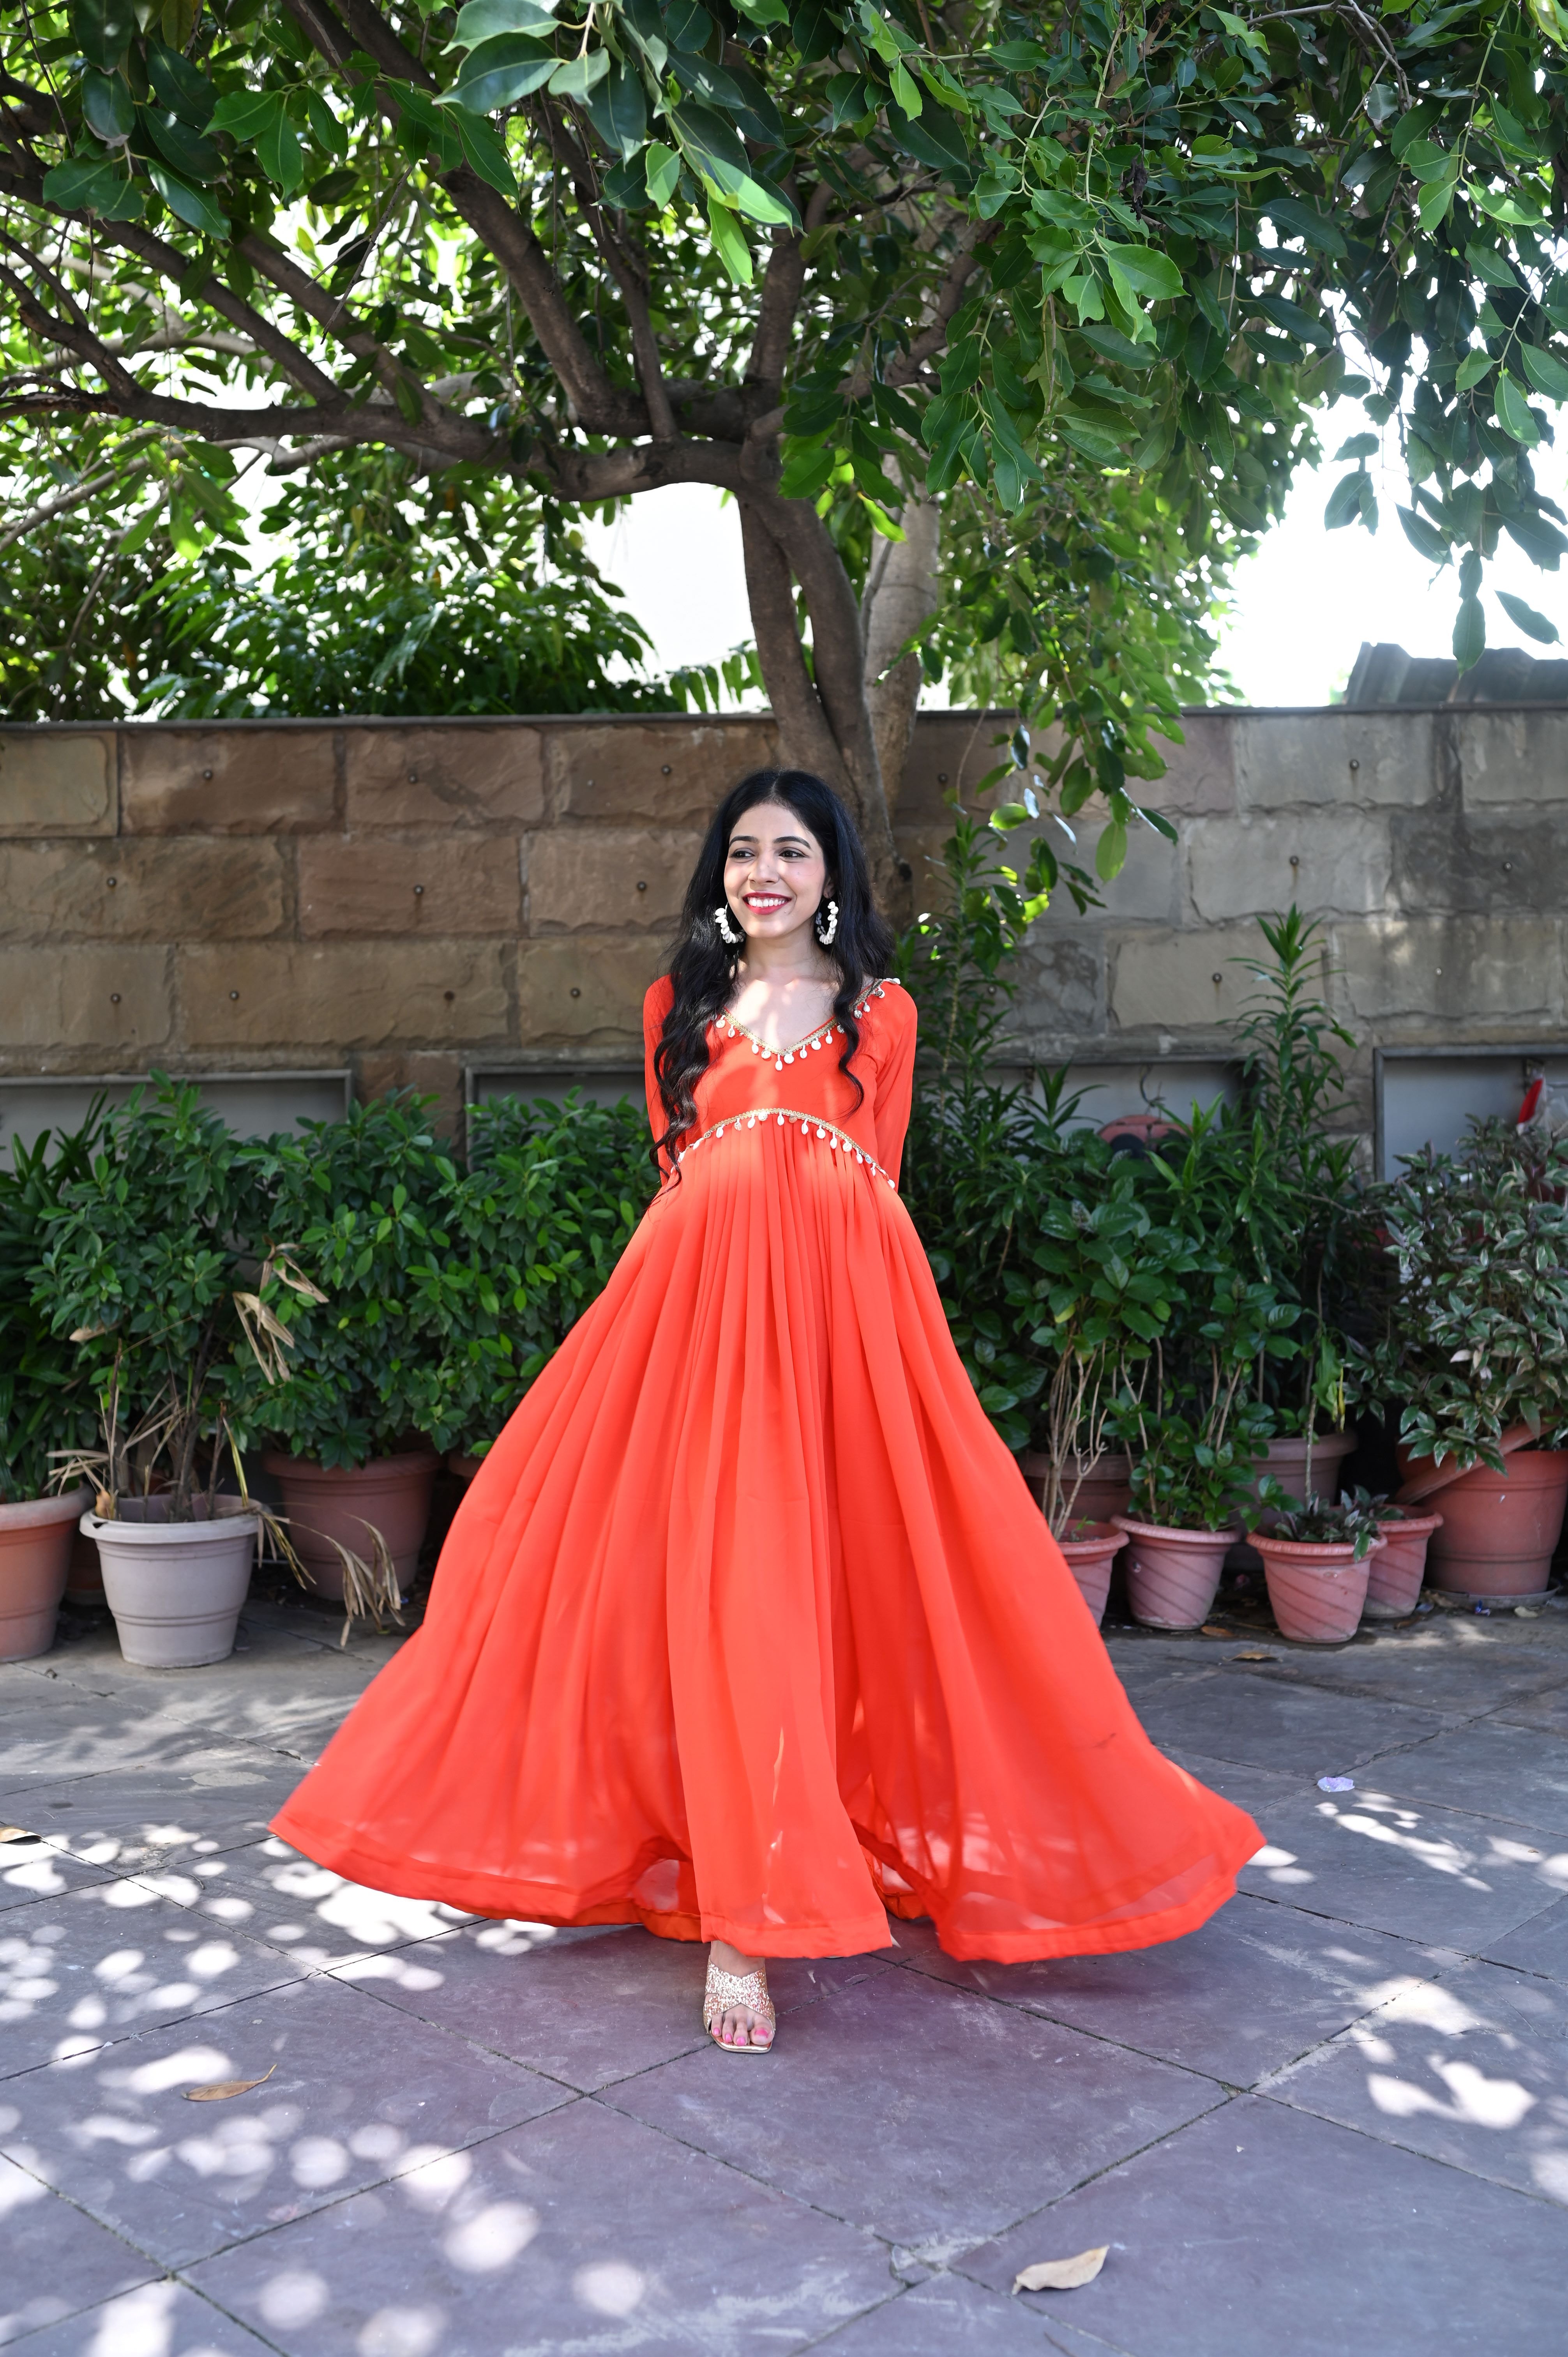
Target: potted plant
(1316, 1561)
(1398, 1567)
(1473, 1346)
(531, 1229)
(1109, 1281)
(1199, 1438)
(347, 1419)
(154, 1267)
(45, 1411)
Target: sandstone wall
(414, 901)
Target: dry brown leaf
(16, 1833)
(1061, 2275)
(1254, 1657)
(1212, 1629)
(221, 2089)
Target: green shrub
(46, 1405)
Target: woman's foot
(737, 2007)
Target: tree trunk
(900, 594)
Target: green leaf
(729, 241)
(1281, 313)
(177, 86)
(1153, 274)
(1513, 412)
(1293, 219)
(81, 184)
(618, 110)
(765, 204)
(500, 71)
(1469, 633)
(1344, 502)
(1491, 268)
(188, 204)
(102, 30)
(663, 169)
(1471, 369)
(244, 115)
(1545, 372)
(579, 75)
(481, 20)
(1533, 625)
(179, 22)
(192, 156)
(1539, 539)
(906, 92)
(406, 395)
(328, 133)
(710, 142)
(936, 140)
(1111, 850)
(1432, 204)
(485, 153)
(108, 107)
(1424, 537)
(764, 12)
(279, 154)
(1360, 446)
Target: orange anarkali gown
(748, 1627)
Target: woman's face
(775, 873)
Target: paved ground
(1337, 2118)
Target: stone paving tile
(103, 1963)
(275, 1896)
(1423, 1874)
(163, 2319)
(920, 2111)
(1540, 1945)
(55, 2259)
(1470, 2067)
(1258, 1791)
(1252, 1990)
(1426, 1673)
(1549, 1711)
(32, 1869)
(341, 2111)
(1262, 2231)
(1268, 1723)
(585, 2010)
(948, 2316)
(582, 2232)
(52, 1732)
(1496, 1771)
(143, 1818)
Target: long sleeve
(895, 1076)
(656, 1006)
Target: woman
(748, 1628)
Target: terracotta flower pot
(1173, 1576)
(461, 1466)
(1500, 1530)
(1286, 1461)
(36, 1537)
(391, 1494)
(1315, 1591)
(1105, 1491)
(1393, 1585)
(1090, 1550)
(175, 1588)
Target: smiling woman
(748, 1627)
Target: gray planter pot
(175, 1588)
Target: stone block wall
(411, 900)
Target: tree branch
(805, 740)
(62, 500)
(625, 268)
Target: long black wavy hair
(703, 963)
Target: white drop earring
(721, 919)
(825, 932)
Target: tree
(864, 263)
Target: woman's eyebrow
(738, 839)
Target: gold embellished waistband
(791, 1117)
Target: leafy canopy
(827, 256)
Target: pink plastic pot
(1105, 1491)
(1315, 1591)
(391, 1494)
(1089, 1553)
(1393, 1584)
(1500, 1530)
(36, 1537)
(1173, 1576)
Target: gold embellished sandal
(726, 1993)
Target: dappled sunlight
(1440, 1842)
(278, 1897)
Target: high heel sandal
(731, 1992)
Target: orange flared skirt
(748, 1627)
